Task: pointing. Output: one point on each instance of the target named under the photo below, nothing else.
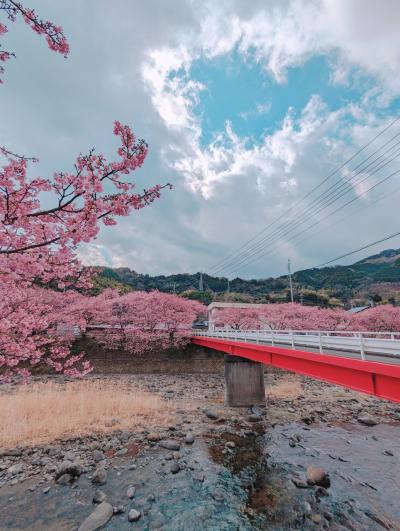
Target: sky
(247, 107)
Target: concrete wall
(192, 359)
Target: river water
(243, 486)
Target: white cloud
(224, 192)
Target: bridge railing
(362, 343)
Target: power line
(326, 201)
(233, 255)
(359, 249)
(257, 256)
(322, 203)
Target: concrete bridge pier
(244, 382)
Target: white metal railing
(361, 343)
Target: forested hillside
(374, 278)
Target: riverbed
(239, 469)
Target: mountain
(374, 278)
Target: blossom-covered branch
(54, 35)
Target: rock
(121, 453)
(12, 452)
(211, 415)
(100, 476)
(367, 420)
(254, 418)
(174, 469)
(153, 437)
(170, 445)
(16, 469)
(130, 492)
(291, 410)
(98, 518)
(65, 479)
(230, 444)
(218, 495)
(118, 509)
(318, 476)
(99, 496)
(255, 410)
(134, 515)
(300, 483)
(98, 455)
(46, 490)
(67, 467)
(198, 476)
(316, 518)
(69, 456)
(189, 438)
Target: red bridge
(328, 356)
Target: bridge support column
(244, 382)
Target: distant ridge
(376, 278)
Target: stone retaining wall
(192, 359)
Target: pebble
(175, 467)
(12, 452)
(134, 515)
(189, 438)
(300, 483)
(67, 467)
(153, 437)
(198, 476)
(130, 492)
(367, 420)
(98, 455)
(211, 415)
(170, 445)
(65, 479)
(99, 477)
(121, 453)
(99, 496)
(98, 518)
(318, 476)
(16, 469)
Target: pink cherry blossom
(54, 35)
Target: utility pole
(174, 287)
(290, 281)
(201, 285)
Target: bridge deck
(372, 377)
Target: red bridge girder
(374, 378)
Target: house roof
(358, 309)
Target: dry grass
(40, 413)
(289, 388)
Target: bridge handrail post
(292, 336)
(272, 337)
(320, 342)
(362, 347)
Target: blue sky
(238, 90)
(245, 106)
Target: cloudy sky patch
(246, 108)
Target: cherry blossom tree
(239, 318)
(284, 317)
(43, 220)
(383, 318)
(139, 321)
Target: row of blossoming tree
(384, 318)
(43, 220)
